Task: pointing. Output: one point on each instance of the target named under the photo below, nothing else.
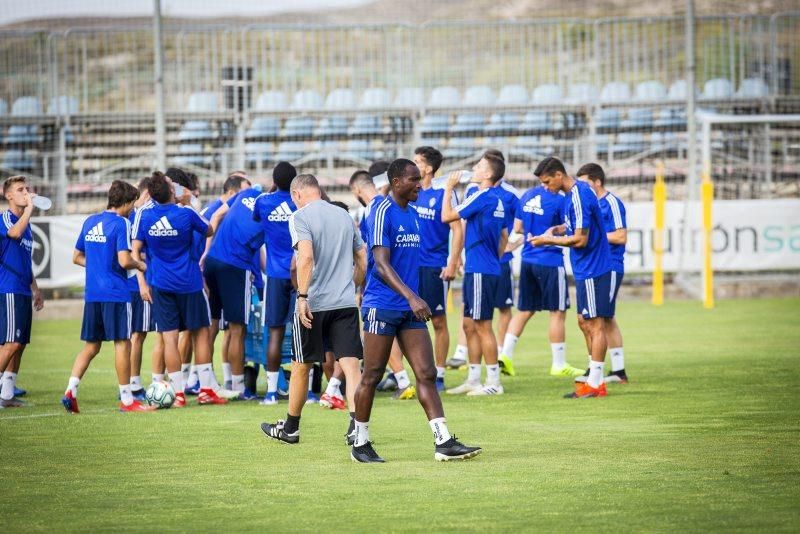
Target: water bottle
(381, 180)
(43, 203)
(441, 181)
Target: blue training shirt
(273, 211)
(238, 236)
(539, 209)
(368, 223)
(434, 233)
(485, 216)
(398, 230)
(613, 211)
(581, 210)
(102, 237)
(167, 231)
(133, 282)
(16, 260)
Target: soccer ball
(160, 394)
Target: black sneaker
(365, 454)
(350, 438)
(277, 432)
(583, 378)
(618, 377)
(452, 449)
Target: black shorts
(334, 329)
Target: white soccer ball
(160, 394)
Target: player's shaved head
(305, 181)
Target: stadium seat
(529, 146)
(271, 101)
(264, 127)
(18, 161)
(192, 154)
(615, 92)
(361, 149)
(62, 105)
(3, 107)
(366, 125)
(461, 147)
(512, 95)
(434, 124)
(663, 141)
(298, 127)
(340, 99)
(290, 150)
(199, 130)
(670, 117)
(444, 97)
(259, 152)
(479, 96)
(718, 88)
(638, 118)
(306, 99)
(502, 122)
(547, 94)
(375, 98)
(468, 122)
(607, 118)
(679, 90)
(203, 102)
(24, 134)
(582, 93)
(650, 90)
(535, 120)
(601, 142)
(628, 143)
(331, 126)
(410, 97)
(753, 88)
(196, 131)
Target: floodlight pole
(158, 49)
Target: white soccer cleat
(488, 389)
(227, 393)
(466, 387)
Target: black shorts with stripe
(337, 330)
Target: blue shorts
(433, 290)
(180, 311)
(228, 291)
(143, 320)
(16, 315)
(505, 287)
(542, 287)
(278, 307)
(597, 297)
(478, 295)
(389, 322)
(106, 321)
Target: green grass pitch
(705, 437)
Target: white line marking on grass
(50, 414)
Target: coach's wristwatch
(302, 296)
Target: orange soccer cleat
(208, 396)
(584, 391)
(136, 406)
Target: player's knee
(426, 375)
(469, 326)
(370, 378)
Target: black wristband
(302, 296)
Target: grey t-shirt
(333, 238)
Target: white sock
(185, 370)
(136, 383)
(177, 381)
(72, 386)
(238, 383)
(461, 353)
(617, 359)
(226, 372)
(440, 372)
(474, 374)
(9, 381)
(595, 374)
(508, 345)
(499, 349)
(559, 351)
(440, 432)
(493, 374)
(310, 379)
(214, 384)
(205, 373)
(272, 382)
(362, 433)
(125, 394)
(157, 377)
(402, 379)
(333, 387)
(193, 376)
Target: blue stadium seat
(264, 127)
(444, 97)
(434, 124)
(615, 92)
(18, 160)
(193, 154)
(479, 96)
(199, 130)
(753, 88)
(306, 99)
(291, 150)
(361, 149)
(530, 146)
(664, 141)
(409, 97)
(547, 94)
(582, 93)
(203, 102)
(340, 99)
(679, 90)
(331, 126)
(62, 105)
(468, 122)
(375, 98)
(502, 122)
(650, 90)
(535, 120)
(298, 127)
(670, 118)
(628, 143)
(21, 134)
(718, 88)
(512, 95)
(271, 101)
(366, 125)
(607, 118)
(602, 143)
(259, 152)
(461, 147)
(638, 118)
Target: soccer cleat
(567, 370)
(192, 390)
(136, 406)
(332, 401)
(138, 394)
(70, 403)
(585, 391)
(456, 363)
(440, 384)
(180, 400)
(506, 365)
(208, 396)
(13, 402)
(19, 392)
(452, 449)
(365, 454)
(466, 387)
(618, 377)
(582, 378)
(312, 398)
(405, 394)
(270, 399)
(277, 432)
(488, 389)
(228, 394)
(387, 384)
(247, 395)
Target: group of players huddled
(156, 262)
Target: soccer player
(393, 309)
(485, 243)
(543, 279)
(616, 228)
(582, 231)
(104, 249)
(436, 269)
(273, 211)
(330, 263)
(176, 284)
(19, 289)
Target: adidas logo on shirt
(250, 202)
(534, 205)
(281, 213)
(439, 307)
(162, 228)
(95, 235)
(401, 229)
(500, 211)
